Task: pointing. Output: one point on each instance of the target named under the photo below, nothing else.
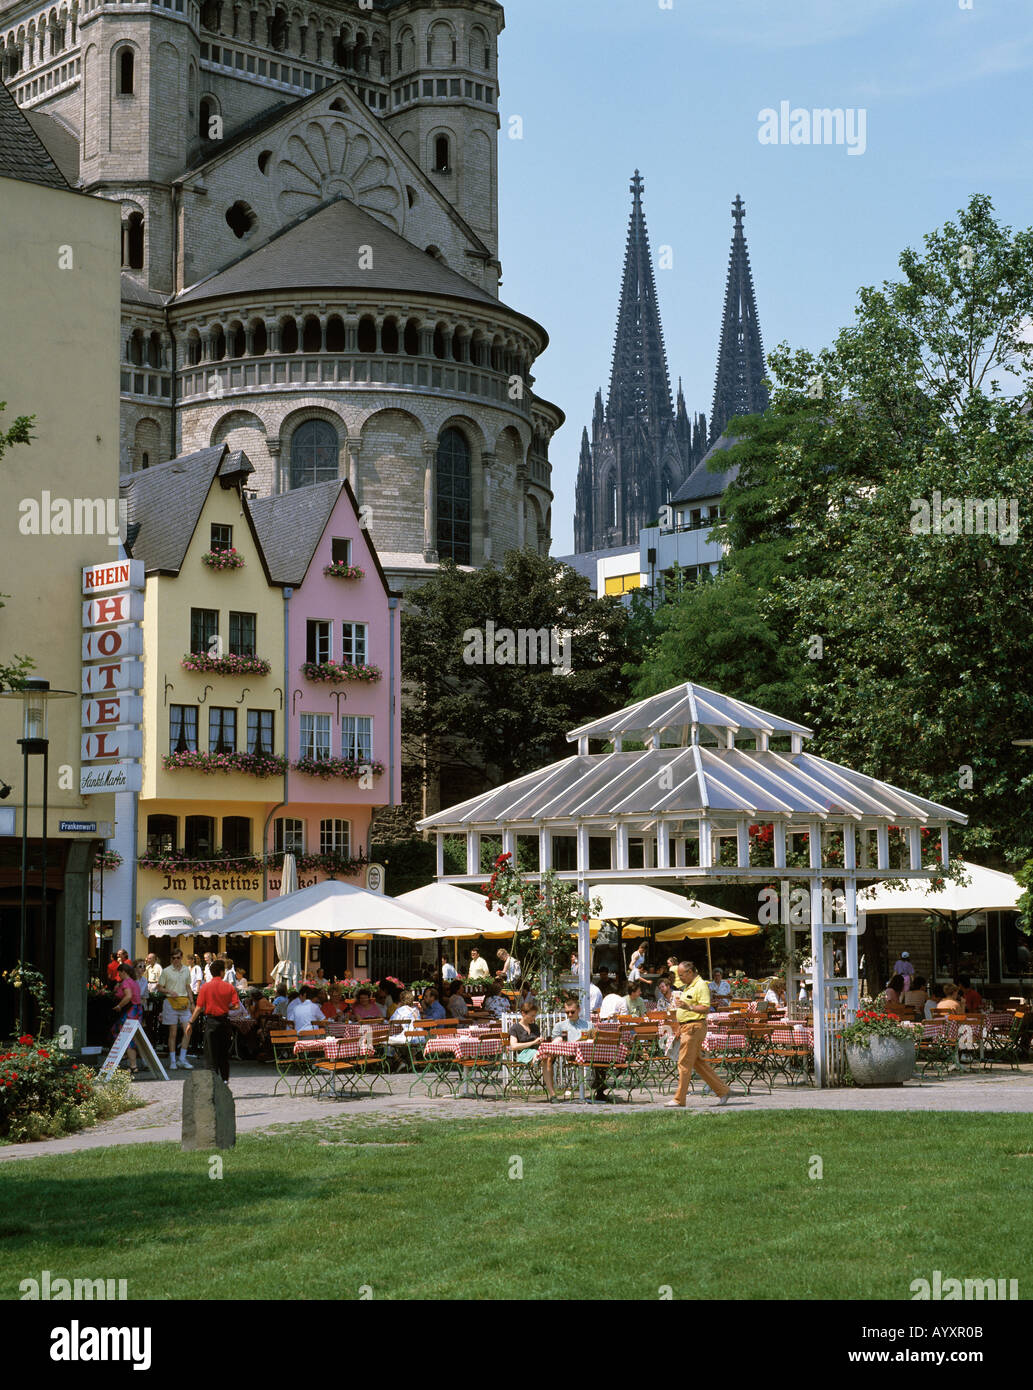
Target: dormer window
(222, 538)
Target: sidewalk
(259, 1111)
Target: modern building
(59, 257)
(643, 453)
(270, 707)
(309, 220)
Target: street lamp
(35, 696)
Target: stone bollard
(209, 1113)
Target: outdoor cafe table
(465, 1047)
(584, 1053)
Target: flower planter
(341, 571)
(333, 673)
(884, 1062)
(229, 665)
(222, 560)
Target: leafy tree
(495, 719)
(910, 649)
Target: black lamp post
(35, 696)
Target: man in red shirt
(214, 1000)
(114, 965)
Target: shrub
(44, 1094)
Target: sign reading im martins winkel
(111, 720)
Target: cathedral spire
(640, 388)
(739, 388)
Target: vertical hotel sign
(112, 645)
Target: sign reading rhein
(112, 722)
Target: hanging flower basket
(108, 860)
(339, 570)
(335, 673)
(253, 764)
(329, 768)
(228, 665)
(223, 559)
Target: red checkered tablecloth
(598, 1052)
(724, 1042)
(336, 1049)
(466, 1046)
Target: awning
(166, 917)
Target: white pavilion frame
(706, 774)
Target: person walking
(175, 985)
(692, 998)
(127, 992)
(215, 1000)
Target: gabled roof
(701, 482)
(291, 524)
(164, 504)
(320, 252)
(23, 154)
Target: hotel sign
(112, 737)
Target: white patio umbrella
(987, 890)
(461, 907)
(630, 903)
(286, 971)
(333, 908)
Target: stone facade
(219, 128)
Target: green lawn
(606, 1207)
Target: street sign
(110, 777)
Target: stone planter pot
(884, 1062)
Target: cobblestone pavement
(258, 1109)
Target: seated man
(720, 989)
(457, 1005)
(495, 1001)
(308, 1013)
(970, 997)
(430, 1006)
(572, 1029)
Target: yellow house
(59, 259)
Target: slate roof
(135, 293)
(290, 525)
(164, 503)
(320, 251)
(23, 154)
(701, 482)
(61, 143)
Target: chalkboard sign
(131, 1035)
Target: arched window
(125, 72)
(199, 835)
(611, 501)
(314, 451)
(236, 835)
(289, 335)
(132, 241)
(154, 350)
(204, 120)
(389, 336)
(442, 161)
(454, 499)
(311, 335)
(412, 338)
(367, 334)
(241, 219)
(335, 338)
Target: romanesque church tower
(309, 198)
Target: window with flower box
(318, 646)
(315, 736)
(161, 834)
(357, 737)
(341, 551)
(222, 730)
(288, 835)
(260, 730)
(335, 837)
(243, 634)
(182, 728)
(236, 835)
(199, 836)
(204, 630)
(354, 643)
(222, 538)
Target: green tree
(501, 719)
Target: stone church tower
(309, 197)
(641, 450)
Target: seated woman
(950, 1003)
(917, 996)
(525, 1035)
(405, 1013)
(894, 992)
(364, 1007)
(935, 995)
(775, 994)
(457, 1005)
(494, 1000)
(334, 1006)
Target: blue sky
(605, 86)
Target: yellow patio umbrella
(708, 929)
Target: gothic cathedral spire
(739, 388)
(635, 457)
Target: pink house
(340, 681)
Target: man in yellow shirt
(692, 997)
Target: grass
(715, 1206)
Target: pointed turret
(739, 388)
